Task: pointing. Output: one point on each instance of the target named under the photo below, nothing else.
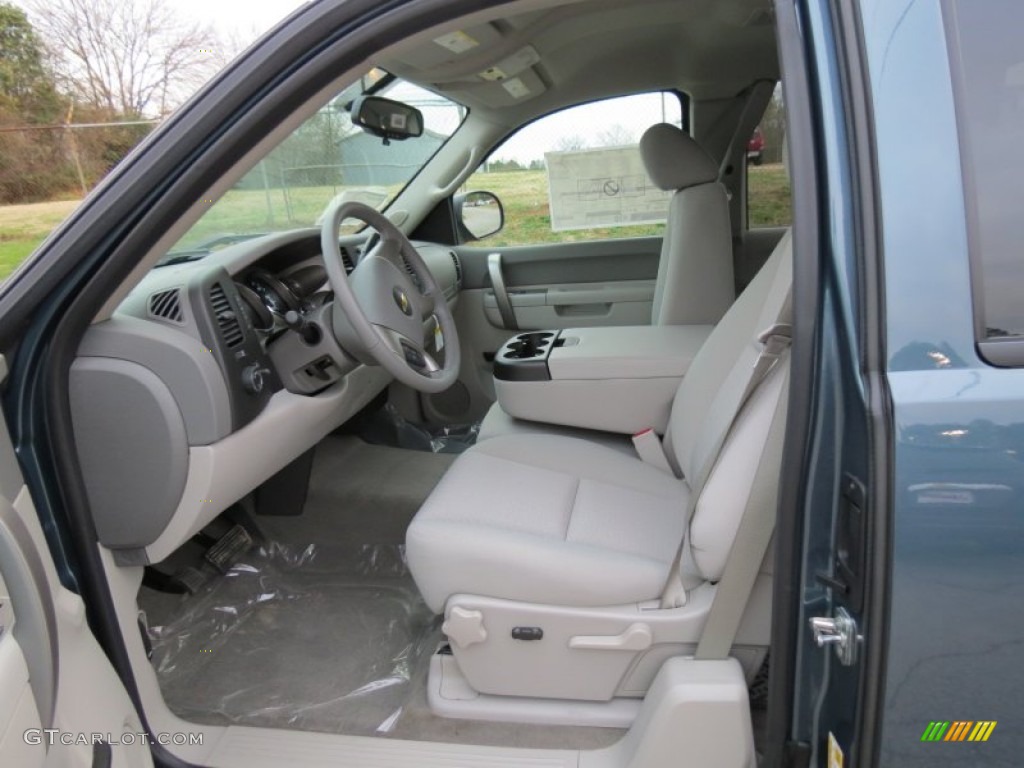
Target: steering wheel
(383, 312)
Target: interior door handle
(508, 315)
(636, 637)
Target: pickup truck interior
(369, 467)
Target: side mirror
(387, 119)
(479, 215)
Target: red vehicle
(755, 147)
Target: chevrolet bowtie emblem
(402, 301)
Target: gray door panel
(626, 302)
(564, 285)
(53, 673)
(595, 261)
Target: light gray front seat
(695, 273)
(562, 521)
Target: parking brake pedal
(229, 548)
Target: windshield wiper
(204, 249)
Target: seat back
(695, 275)
(705, 405)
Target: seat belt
(750, 545)
(775, 342)
(750, 115)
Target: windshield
(325, 158)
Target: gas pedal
(229, 548)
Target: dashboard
(211, 376)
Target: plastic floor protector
(299, 639)
(388, 427)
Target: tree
(571, 143)
(130, 57)
(26, 83)
(313, 155)
(508, 164)
(32, 162)
(617, 135)
(773, 127)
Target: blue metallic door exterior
(957, 630)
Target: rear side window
(988, 73)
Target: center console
(617, 379)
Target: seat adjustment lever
(637, 637)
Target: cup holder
(526, 346)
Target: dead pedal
(229, 548)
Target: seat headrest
(674, 160)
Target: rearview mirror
(387, 119)
(479, 214)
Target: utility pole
(73, 144)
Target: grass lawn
(523, 194)
(23, 227)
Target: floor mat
(292, 640)
(324, 630)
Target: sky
(241, 20)
(605, 123)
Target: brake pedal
(229, 548)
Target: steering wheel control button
(413, 356)
(464, 627)
(402, 300)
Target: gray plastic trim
(36, 626)
(508, 315)
(10, 476)
(187, 368)
(131, 441)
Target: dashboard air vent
(458, 268)
(227, 320)
(166, 305)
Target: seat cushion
(547, 519)
(498, 423)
